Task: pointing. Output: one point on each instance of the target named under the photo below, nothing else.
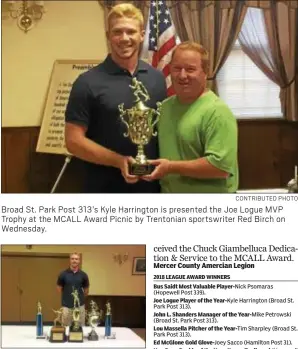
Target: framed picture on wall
(139, 266)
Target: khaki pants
(67, 316)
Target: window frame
(237, 47)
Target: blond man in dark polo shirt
(69, 280)
(93, 129)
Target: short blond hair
(75, 253)
(194, 46)
(126, 10)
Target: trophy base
(93, 336)
(112, 336)
(140, 169)
(58, 334)
(75, 334)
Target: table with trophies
(74, 335)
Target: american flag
(160, 40)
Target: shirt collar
(73, 271)
(113, 68)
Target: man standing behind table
(197, 131)
(94, 131)
(68, 281)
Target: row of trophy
(75, 333)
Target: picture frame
(139, 266)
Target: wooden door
(34, 279)
(10, 287)
(38, 281)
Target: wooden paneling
(289, 151)
(17, 156)
(259, 155)
(26, 171)
(268, 152)
(3, 163)
(40, 167)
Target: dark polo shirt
(93, 103)
(69, 281)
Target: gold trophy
(75, 329)
(58, 332)
(140, 122)
(94, 317)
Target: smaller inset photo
(93, 295)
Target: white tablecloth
(25, 337)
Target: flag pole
(66, 162)
(157, 29)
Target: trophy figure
(39, 322)
(58, 332)
(293, 184)
(75, 329)
(94, 317)
(108, 322)
(140, 122)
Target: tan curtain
(215, 25)
(276, 53)
(222, 3)
(268, 3)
